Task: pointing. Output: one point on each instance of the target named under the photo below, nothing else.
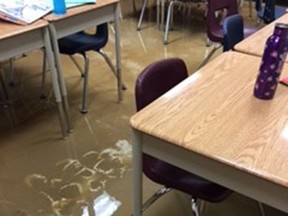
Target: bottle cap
(281, 25)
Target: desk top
(215, 114)
(255, 43)
(8, 29)
(80, 9)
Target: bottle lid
(282, 25)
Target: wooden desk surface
(255, 43)
(215, 114)
(8, 29)
(80, 9)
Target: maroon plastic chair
(214, 23)
(155, 80)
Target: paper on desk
(27, 11)
(73, 3)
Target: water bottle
(59, 7)
(272, 62)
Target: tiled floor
(43, 174)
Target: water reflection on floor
(80, 186)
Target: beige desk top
(214, 113)
(80, 9)
(8, 30)
(254, 44)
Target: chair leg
(210, 54)
(7, 103)
(201, 206)
(158, 13)
(44, 68)
(194, 206)
(11, 71)
(77, 65)
(155, 197)
(144, 4)
(261, 208)
(85, 83)
(169, 14)
(134, 6)
(108, 61)
(208, 42)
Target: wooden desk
(16, 40)
(254, 44)
(78, 19)
(213, 126)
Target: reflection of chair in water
(155, 80)
(82, 42)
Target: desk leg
(117, 51)
(48, 50)
(137, 173)
(63, 90)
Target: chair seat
(184, 181)
(80, 42)
(217, 36)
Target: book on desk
(25, 12)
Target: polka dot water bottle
(272, 62)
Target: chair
(155, 80)
(80, 43)
(233, 31)
(170, 15)
(215, 24)
(270, 11)
(143, 8)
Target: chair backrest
(214, 25)
(102, 33)
(233, 31)
(158, 78)
(154, 81)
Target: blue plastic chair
(233, 31)
(80, 43)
